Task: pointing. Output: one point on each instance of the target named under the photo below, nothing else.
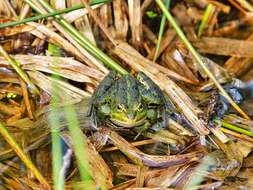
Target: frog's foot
(162, 120)
(100, 138)
(158, 126)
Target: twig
(137, 143)
(241, 136)
(26, 99)
(236, 5)
(245, 4)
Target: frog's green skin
(126, 101)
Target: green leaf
(151, 14)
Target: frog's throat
(129, 123)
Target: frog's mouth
(129, 123)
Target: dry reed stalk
(102, 174)
(64, 66)
(140, 177)
(136, 143)
(74, 15)
(26, 99)
(135, 21)
(83, 25)
(245, 4)
(236, 5)
(237, 135)
(6, 9)
(98, 22)
(65, 88)
(88, 57)
(15, 30)
(142, 159)
(120, 19)
(225, 46)
(53, 37)
(238, 65)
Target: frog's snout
(130, 116)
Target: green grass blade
(83, 41)
(79, 144)
(161, 31)
(58, 180)
(204, 20)
(224, 124)
(58, 12)
(198, 58)
(57, 157)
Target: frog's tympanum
(127, 101)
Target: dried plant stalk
(135, 18)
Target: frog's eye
(139, 108)
(120, 108)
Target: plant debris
(52, 61)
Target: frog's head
(127, 108)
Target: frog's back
(150, 92)
(104, 86)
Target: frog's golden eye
(139, 108)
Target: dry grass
(193, 152)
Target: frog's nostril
(130, 116)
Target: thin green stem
(83, 41)
(161, 31)
(58, 12)
(16, 66)
(198, 58)
(58, 178)
(235, 128)
(204, 20)
(79, 143)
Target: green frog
(129, 102)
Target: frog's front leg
(161, 119)
(141, 129)
(155, 121)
